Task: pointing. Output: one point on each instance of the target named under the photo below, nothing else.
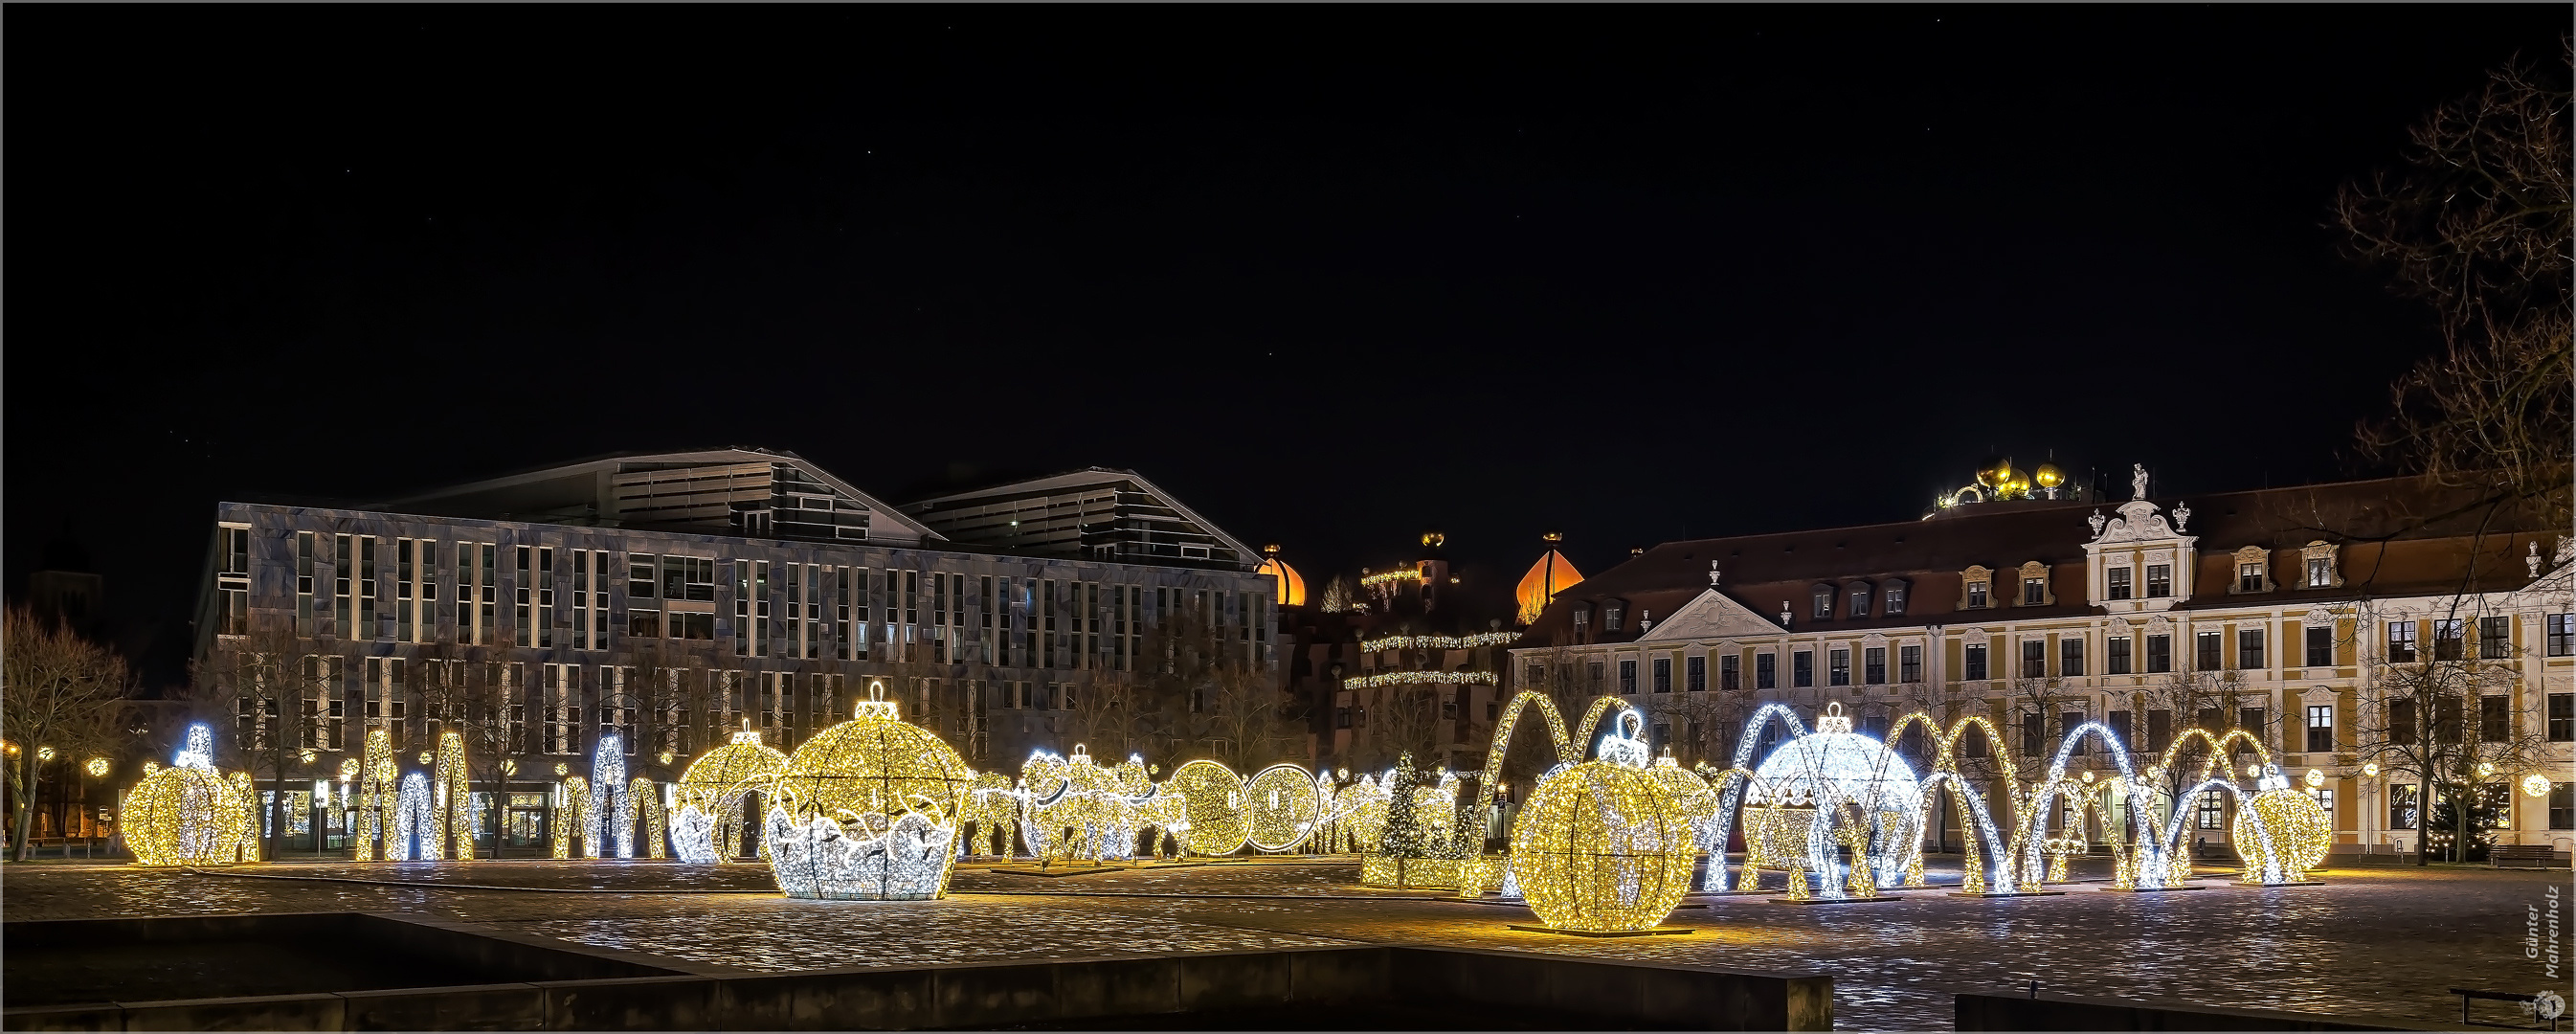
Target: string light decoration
(713, 788)
(452, 798)
(414, 837)
(1359, 816)
(1406, 678)
(572, 816)
(646, 800)
(377, 770)
(2533, 785)
(1603, 847)
(97, 768)
(612, 808)
(1402, 574)
(1805, 785)
(1093, 813)
(1281, 808)
(864, 809)
(2281, 832)
(1438, 642)
(1211, 798)
(190, 814)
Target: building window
(1973, 667)
(2118, 582)
(1824, 603)
(1895, 599)
(2249, 648)
(1695, 674)
(2206, 647)
(1766, 671)
(2159, 730)
(2495, 638)
(1873, 665)
(304, 620)
(2213, 810)
(2448, 638)
(2159, 654)
(2320, 572)
(2116, 661)
(2033, 735)
(2249, 577)
(2034, 658)
(2118, 721)
(2401, 806)
(2070, 656)
(1972, 744)
(2034, 591)
(2495, 722)
(1802, 669)
(2067, 723)
(1592, 675)
(2562, 806)
(2562, 635)
(1627, 678)
(2562, 717)
(1663, 674)
(1838, 666)
(2159, 580)
(2320, 728)
(1976, 595)
(1860, 601)
(1730, 671)
(1613, 615)
(2320, 647)
(1909, 663)
(232, 584)
(2325, 798)
(2401, 642)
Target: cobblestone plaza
(2372, 941)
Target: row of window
(2404, 810)
(2495, 638)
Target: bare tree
(2442, 715)
(59, 691)
(1247, 716)
(267, 691)
(2477, 225)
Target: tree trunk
(24, 820)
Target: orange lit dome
(1552, 574)
(1292, 589)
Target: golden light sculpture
(1696, 799)
(45, 754)
(714, 785)
(1603, 848)
(97, 767)
(2535, 785)
(993, 809)
(648, 812)
(1212, 808)
(1281, 808)
(2294, 835)
(376, 796)
(572, 814)
(452, 798)
(866, 810)
(190, 814)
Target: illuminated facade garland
(1438, 642)
(1405, 678)
(1405, 574)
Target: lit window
(2320, 572)
(1838, 667)
(2401, 642)
(1860, 602)
(1824, 600)
(2213, 810)
(2320, 728)
(2562, 635)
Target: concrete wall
(2059, 1012)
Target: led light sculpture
(377, 770)
(1211, 798)
(2041, 857)
(712, 790)
(190, 814)
(414, 834)
(1836, 779)
(572, 816)
(865, 809)
(993, 810)
(1282, 808)
(646, 799)
(1604, 846)
(1696, 799)
(1359, 816)
(1092, 811)
(612, 808)
(2280, 832)
(452, 799)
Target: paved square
(2369, 941)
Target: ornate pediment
(1711, 615)
(2139, 521)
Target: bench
(2537, 856)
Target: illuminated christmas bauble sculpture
(1827, 769)
(2293, 836)
(1211, 806)
(1281, 807)
(188, 814)
(867, 809)
(1603, 845)
(706, 816)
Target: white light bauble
(1833, 766)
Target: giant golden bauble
(185, 816)
(1212, 806)
(873, 764)
(1603, 847)
(2295, 830)
(1281, 807)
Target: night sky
(1332, 275)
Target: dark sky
(1333, 275)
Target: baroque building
(2300, 615)
(669, 599)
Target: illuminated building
(663, 599)
(2039, 615)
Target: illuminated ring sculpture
(865, 810)
(2283, 833)
(1602, 847)
(1212, 808)
(1281, 808)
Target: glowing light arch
(377, 773)
(452, 799)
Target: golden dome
(1292, 589)
(2049, 476)
(1551, 575)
